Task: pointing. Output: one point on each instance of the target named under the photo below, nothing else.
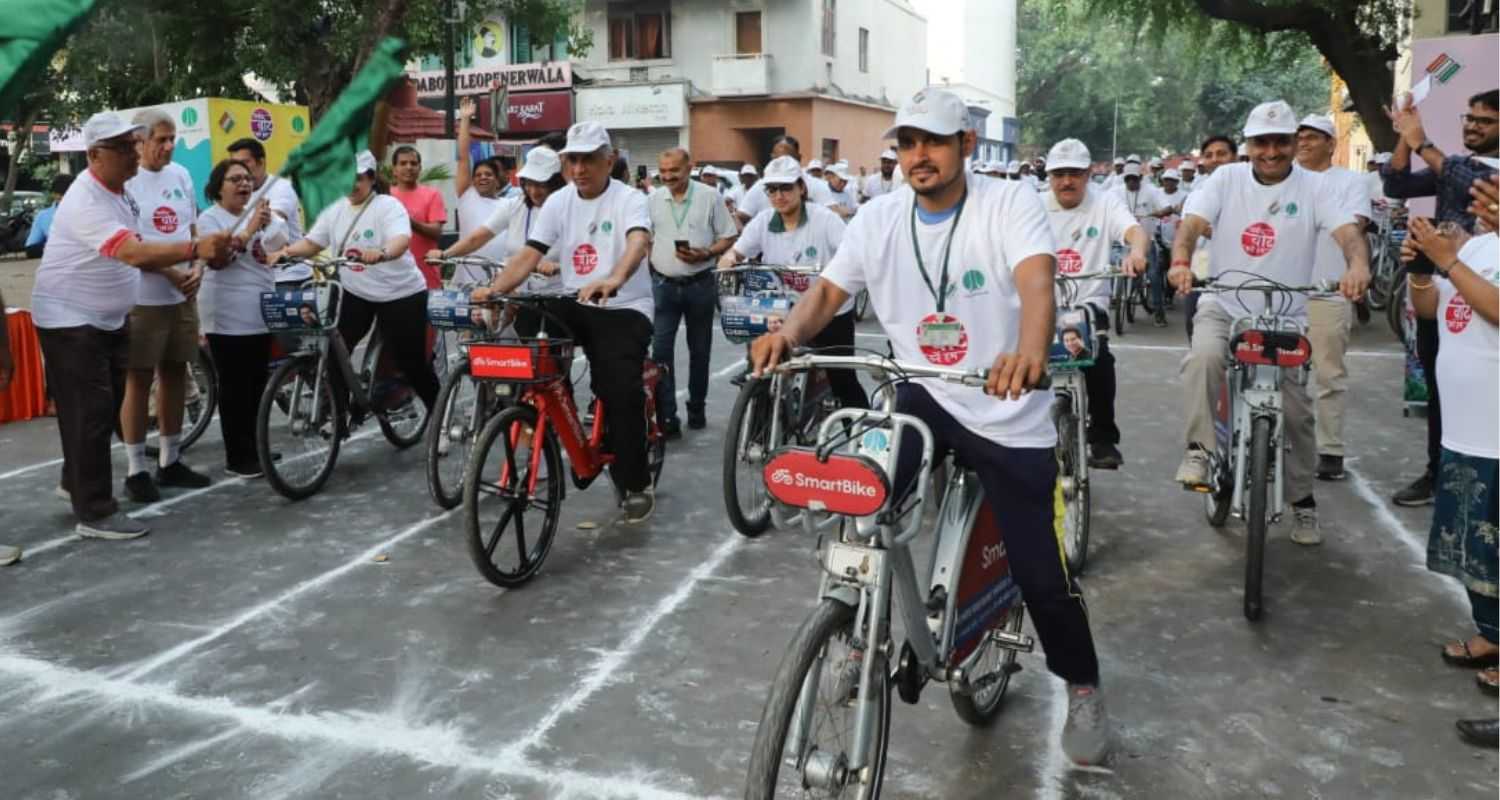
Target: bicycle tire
(1076, 502)
(983, 713)
(300, 369)
(1132, 296)
(450, 437)
(482, 548)
(827, 621)
(1257, 516)
(1216, 504)
(749, 430)
(1395, 309)
(395, 424)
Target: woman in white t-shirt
(480, 188)
(384, 285)
(1464, 298)
(230, 306)
(795, 232)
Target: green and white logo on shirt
(369, 233)
(812, 252)
(973, 281)
(607, 226)
(1291, 210)
(1093, 232)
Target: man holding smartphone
(692, 229)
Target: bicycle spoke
(489, 546)
(521, 541)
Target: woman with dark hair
(230, 307)
(480, 188)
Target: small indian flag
(1443, 68)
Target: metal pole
(450, 102)
(1114, 137)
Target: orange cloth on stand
(26, 397)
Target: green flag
(323, 165)
(33, 31)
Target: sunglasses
(779, 188)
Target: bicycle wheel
(820, 659)
(1075, 491)
(1217, 502)
(1395, 309)
(1257, 515)
(198, 411)
(989, 677)
(497, 500)
(401, 414)
(746, 449)
(450, 437)
(301, 420)
(1132, 296)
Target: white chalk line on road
(43, 465)
(1415, 544)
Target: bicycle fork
(1260, 399)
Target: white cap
(1132, 159)
(888, 155)
(106, 125)
(586, 137)
(1322, 123)
(541, 164)
(1132, 170)
(1119, 162)
(364, 162)
(1171, 175)
(816, 163)
(1271, 119)
(1013, 167)
(1068, 154)
(781, 171)
(840, 169)
(1188, 163)
(749, 169)
(1155, 162)
(936, 111)
(696, 171)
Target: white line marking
(54, 462)
(287, 596)
(612, 662)
(1055, 767)
(385, 733)
(177, 754)
(1414, 543)
(738, 365)
(50, 544)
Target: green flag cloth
(33, 31)
(323, 165)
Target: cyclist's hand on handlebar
(727, 260)
(435, 256)
(768, 351)
(1181, 278)
(368, 256)
(481, 294)
(599, 291)
(1014, 374)
(1133, 264)
(548, 268)
(1354, 283)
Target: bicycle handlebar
(790, 269)
(903, 370)
(1259, 284)
(1113, 272)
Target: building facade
(971, 48)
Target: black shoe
(1419, 493)
(182, 476)
(697, 421)
(249, 469)
(1330, 468)
(1160, 321)
(1485, 732)
(739, 380)
(1105, 456)
(672, 429)
(141, 488)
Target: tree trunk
(324, 80)
(22, 136)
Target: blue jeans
(676, 300)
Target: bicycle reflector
(843, 484)
(1271, 348)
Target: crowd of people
(130, 263)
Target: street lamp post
(449, 19)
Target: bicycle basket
(307, 308)
(853, 485)
(450, 309)
(521, 360)
(1270, 348)
(1076, 341)
(744, 318)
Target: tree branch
(1266, 18)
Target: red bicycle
(515, 469)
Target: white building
(971, 49)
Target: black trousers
(838, 340)
(1099, 382)
(241, 363)
(403, 328)
(615, 341)
(85, 369)
(1427, 350)
(1021, 486)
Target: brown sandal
(1469, 659)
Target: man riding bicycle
(1268, 217)
(960, 274)
(602, 230)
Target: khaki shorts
(163, 334)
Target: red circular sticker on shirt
(1457, 314)
(585, 259)
(1069, 262)
(165, 219)
(942, 339)
(1258, 239)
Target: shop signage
(623, 107)
(519, 77)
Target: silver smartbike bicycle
(825, 728)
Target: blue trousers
(692, 300)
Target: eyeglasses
(238, 179)
(118, 147)
(1470, 119)
(778, 188)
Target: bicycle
(304, 414)
(1385, 257)
(199, 404)
(517, 459)
(842, 664)
(752, 299)
(1125, 291)
(1247, 467)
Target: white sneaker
(639, 505)
(1085, 737)
(9, 555)
(1193, 472)
(1305, 526)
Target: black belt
(697, 276)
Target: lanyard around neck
(687, 206)
(940, 293)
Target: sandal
(1469, 659)
(1489, 681)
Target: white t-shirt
(1269, 231)
(79, 282)
(511, 223)
(1084, 234)
(473, 210)
(1352, 190)
(341, 226)
(168, 212)
(590, 236)
(1002, 224)
(284, 203)
(845, 198)
(230, 297)
(813, 243)
(756, 199)
(1141, 204)
(1468, 361)
(875, 185)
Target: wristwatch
(1424, 145)
(1443, 271)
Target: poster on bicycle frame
(986, 590)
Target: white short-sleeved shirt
(875, 185)
(474, 209)
(1268, 231)
(285, 203)
(1002, 224)
(1084, 234)
(1468, 361)
(168, 211)
(590, 238)
(756, 199)
(342, 227)
(79, 281)
(1352, 190)
(511, 223)
(230, 298)
(1142, 204)
(813, 243)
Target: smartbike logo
(847, 486)
(838, 483)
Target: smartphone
(682, 244)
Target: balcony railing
(742, 74)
